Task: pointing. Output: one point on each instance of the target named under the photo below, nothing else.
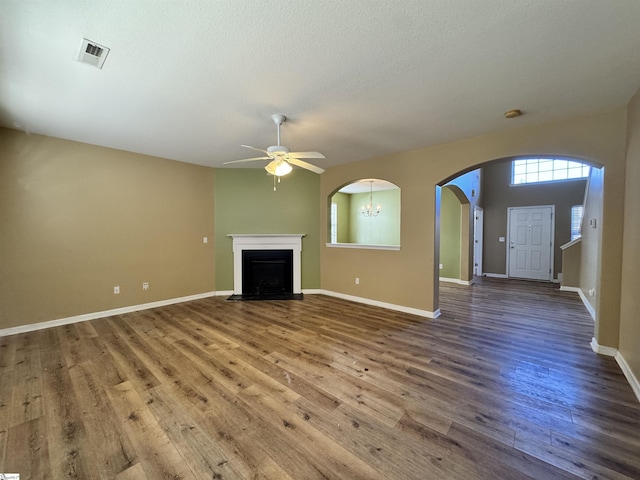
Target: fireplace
(267, 272)
(266, 266)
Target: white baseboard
(587, 305)
(608, 351)
(624, 366)
(456, 280)
(631, 378)
(495, 275)
(105, 313)
(564, 288)
(376, 303)
(220, 293)
(390, 306)
(584, 299)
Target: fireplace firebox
(267, 273)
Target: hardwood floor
(503, 385)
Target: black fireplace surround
(267, 275)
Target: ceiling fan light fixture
(278, 167)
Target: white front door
(530, 242)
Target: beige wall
(599, 138)
(571, 256)
(592, 237)
(77, 219)
(630, 301)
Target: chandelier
(368, 211)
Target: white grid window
(576, 221)
(334, 223)
(536, 170)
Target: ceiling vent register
(92, 53)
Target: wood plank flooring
(503, 385)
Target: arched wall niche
(364, 213)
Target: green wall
(343, 201)
(381, 230)
(450, 216)
(246, 203)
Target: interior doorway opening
(500, 247)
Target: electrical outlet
(116, 290)
(441, 266)
(145, 286)
(357, 280)
(205, 240)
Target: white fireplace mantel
(266, 241)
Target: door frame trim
(478, 240)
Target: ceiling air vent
(92, 53)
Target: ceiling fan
(280, 156)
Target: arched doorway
(455, 263)
(498, 196)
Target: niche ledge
(363, 246)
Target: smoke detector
(92, 53)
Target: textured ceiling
(193, 80)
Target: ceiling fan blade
(254, 148)
(306, 155)
(305, 165)
(247, 160)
